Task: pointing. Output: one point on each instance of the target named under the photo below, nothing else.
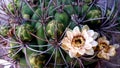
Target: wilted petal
(103, 39)
(105, 56)
(76, 31)
(69, 35)
(112, 51)
(116, 46)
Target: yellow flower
(105, 49)
(79, 42)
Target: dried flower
(78, 43)
(105, 49)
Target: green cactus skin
(62, 17)
(41, 35)
(26, 10)
(38, 12)
(36, 15)
(87, 1)
(69, 9)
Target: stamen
(78, 41)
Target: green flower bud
(14, 49)
(37, 60)
(11, 8)
(4, 30)
(26, 16)
(54, 28)
(23, 32)
(92, 14)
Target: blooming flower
(105, 49)
(79, 42)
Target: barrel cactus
(60, 33)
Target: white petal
(7, 66)
(95, 35)
(76, 31)
(81, 51)
(89, 39)
(66, 41)
(85, 27)
(72, 53)
(94, 43)
(4, 62)
(87, 46)
(84, 33)
(90, 33)
(69, 35)
(90, 51)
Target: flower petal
(81, 51)
(76, 31)
(5, 63)
(103, 55)
(116, 46)
(72, 53)
(89, 51)
(89, 39)
(69, 35)
(87, 46)
(85, 27)
(94, 43)
(103, 39)
(95, 35)
(66, 43)
(84, 33)
(90, 33)
(112, 51)
(65, 47)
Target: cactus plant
(59, 33)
